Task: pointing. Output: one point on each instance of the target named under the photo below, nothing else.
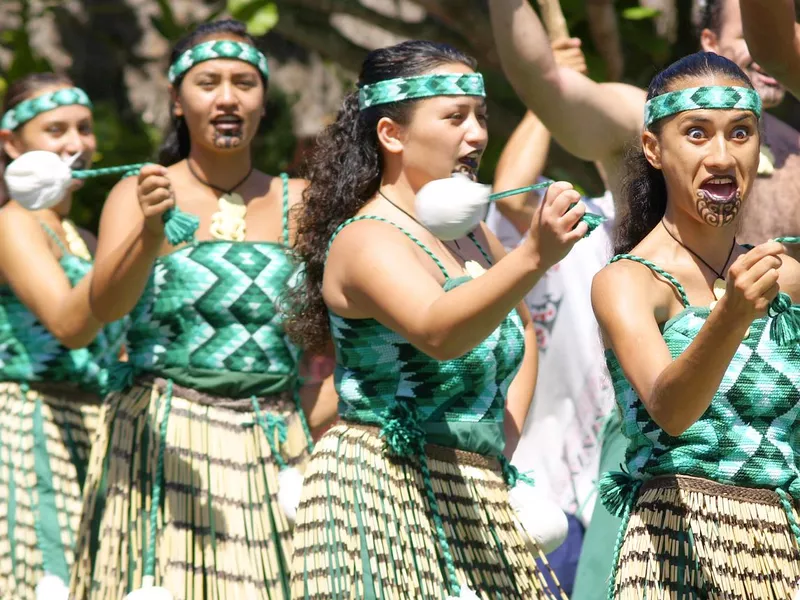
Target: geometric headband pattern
(717, 96)
(218, 49)
(28, 109)
(420, 86)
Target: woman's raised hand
(155, 195)
(556, 224)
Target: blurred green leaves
(258, 15)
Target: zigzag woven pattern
(218, 49)
(722, 97)
(421, 86)
(30, 108)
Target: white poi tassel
(464, 594)
(539, 518)
(39, 179)
(51, 587)
(149, 591)
(451, 208)
(290, 486)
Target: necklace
(75, 242)
(473, 268)
(719, 283)
(228, 222)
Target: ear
(390, 135)
(174, 98)
(11, 144)
(651, 149)
(709, 41)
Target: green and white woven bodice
(210, 318)
(30, 353)
(747, 437)
(459, 403)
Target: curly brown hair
(345, 171)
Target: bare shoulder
(367, 232)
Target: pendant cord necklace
(215, 187)
(700, 258)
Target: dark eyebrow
(696, 119)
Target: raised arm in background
(774, 39)
(594, 121)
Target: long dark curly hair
(177, 142)
(644, 190)
(345, 171)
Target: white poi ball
(290, 487)
(148, 591)
(465, 593)
(51, 587)
(541, 519)
(451, 208)
(38, 179)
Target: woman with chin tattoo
(408, 496)
(702, 347)
(54, 355)
(192, 480)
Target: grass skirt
(690, 538)
(45, 435)
(365, 531)
(221, 534)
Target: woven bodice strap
(658, 271)
(475, 241)
(55, 238)
(405, 438)
(408, 234)
(285, 209)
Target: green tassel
(401, 430)
(784, 329)
(511, 474)
(617, 490)
(179, 226)
(121, 376)
(593, 221)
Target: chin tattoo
(718, 214)
(222, 140)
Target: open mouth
(468, 166)
(720, 190)
(228, 124)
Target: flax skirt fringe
(44, 451)
(691, 538)
(221, 534)
(364, 528)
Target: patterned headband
(421, 86)
(218, 49)
(717, 96)
(32, 107)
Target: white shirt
(573, 391)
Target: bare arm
(520, 392)
(28, 265)
(593, 121)
(677, 392)
(773, 39)
(390, 284)
(521, 163)
(127, 247)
